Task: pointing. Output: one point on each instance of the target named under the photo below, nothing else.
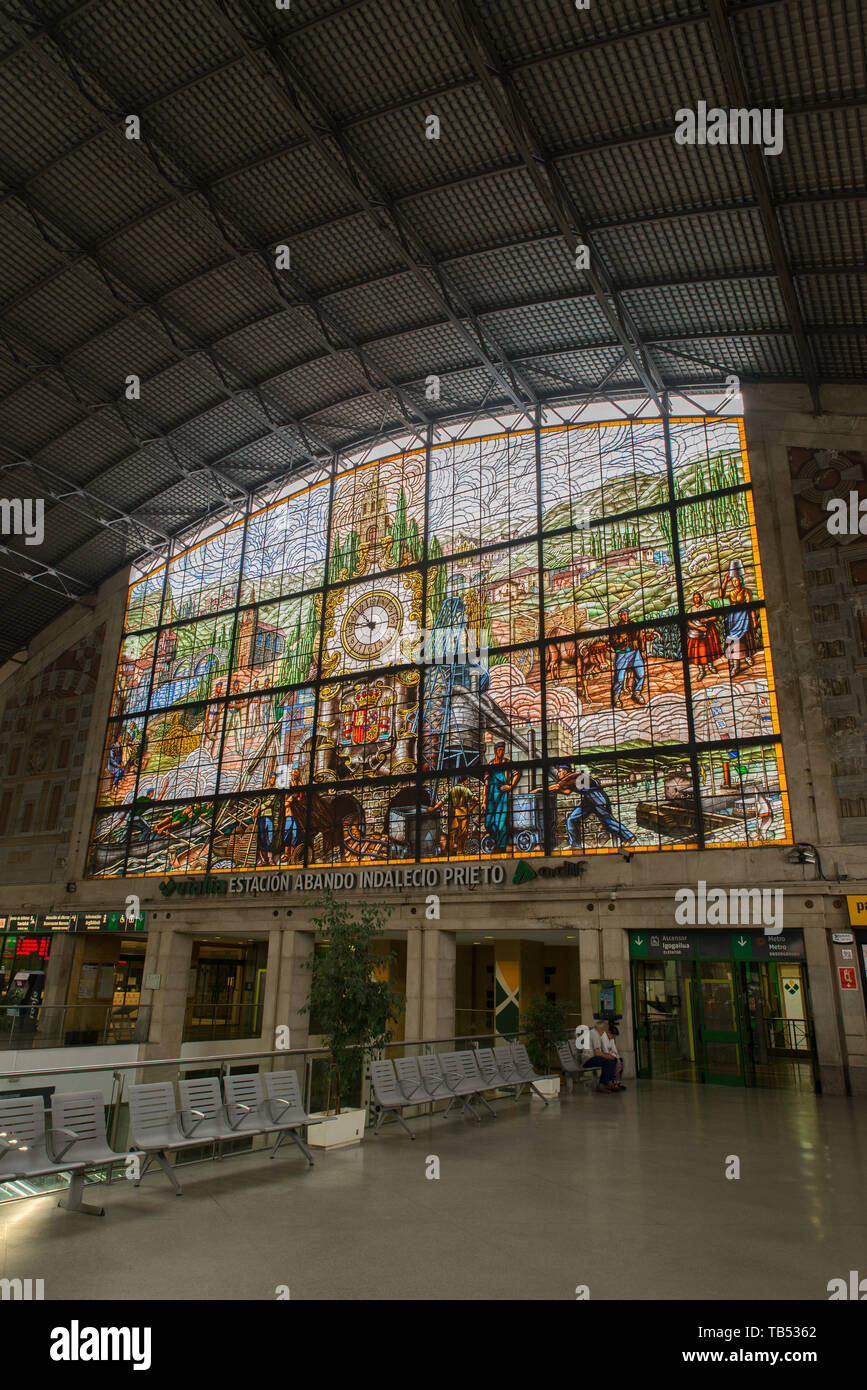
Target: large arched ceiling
(408, 257)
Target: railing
(24, 1027)
(221, 1022)
(787, 1035)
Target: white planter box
(548, 1085)
(337, 1131)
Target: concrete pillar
(414, 962)
(438, 984)
(269, 998)
(826, 1020)
(52, 1021)
(589, 946)
(58, 971)
(615, 966)
(291, 989)
(169, 955)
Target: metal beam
(363, 187)
(217, 220)
(728, 58)
(548, 183)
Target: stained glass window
(546, 641)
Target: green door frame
(717, 1035)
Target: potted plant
(544, 1024)
(353, 1007)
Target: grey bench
(490, 1070)
(409, 1079)
(524, 1068)
(389, 1096)
(81, 1116)
(473, 1074)
(203, 1114)
(28, 1150)
(285, 1105)
(155, 1128)
(572, 1064)
(250, 1111)
(434, 1082)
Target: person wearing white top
(596, 1058)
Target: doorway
(724, 1022)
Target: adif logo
(22, 1289)
(23, 516)
(75, 1343)
(737, 906)
(735, 127)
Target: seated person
(597, 1058)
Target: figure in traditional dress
(499, 783)
(739, 629)
(702, 639)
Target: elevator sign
(716, 945)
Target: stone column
(414, 961)
(826, 1019)
(615, 966)
(169, 955)
(589, 944)
(51, 1020)
(291, 988)
(438, 984)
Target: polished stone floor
(625, 1194)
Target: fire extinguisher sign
(847, 977)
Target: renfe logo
(75, 1343)
(739, 906)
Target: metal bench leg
(72, 1199)
(402, 1121)
(465, 1103)
(449, 1106)
(169, 1172)
(280, 1137)
(293, 1134)
(538, 1093)
(479, 1096)
(379, 1119)
(148, 1160)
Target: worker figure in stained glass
(627, 642)
(460, 802)
(294, 808)
(266, 820)
(592, 801)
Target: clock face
(371, 625)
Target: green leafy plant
(544, 1024)
(353, 1008)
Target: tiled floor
(626, 1194)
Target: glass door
(778, 1025)
(665, 1019)
(718, 1023)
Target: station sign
(716, 945)
(73, 922)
